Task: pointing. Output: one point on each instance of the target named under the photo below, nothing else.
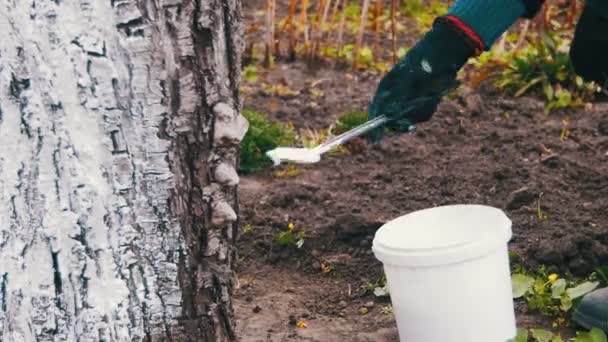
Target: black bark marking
(57, 274)
(3, 285)
(132, 28)
(17, 86)
(118, 143)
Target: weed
(263, 135)
(548, 293)
(379, 288)
(313, 138)
(539, 209)
(290, 237)
(247, 229)
(565, 133)
(387, 310)
(543, 65)
(542, 335)
(349, 121)
(250, 73)
(288, 172)
(602, 275)
(279, 89)
(426, 15)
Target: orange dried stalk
(360, 34)
(290, 23)
(341, 27)
(394, 30)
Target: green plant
(602, 274)
(291, 237)
(289, 171)
(250, 73)
(313, 138)
(542, 65)
(379, 288)
(263, 135)
(542, 335)
(349, 121)
(247, 229)
(549, 294)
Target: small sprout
(280, 90)
(539, 209)
(250, 74)
(290, 238)
(381, 291)
(288, 172)
(316, 93)
(247, 229)
(387, 310)
(301, 324)
(565, 131)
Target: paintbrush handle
(349, 135)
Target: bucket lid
(442, 235)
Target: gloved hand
(411, 91)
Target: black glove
(589, 50)
(411, 91)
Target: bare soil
(480, 148)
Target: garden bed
(481, 147)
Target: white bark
(119, 126)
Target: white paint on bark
(106, 110)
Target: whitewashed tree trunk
(119, 132)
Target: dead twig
(394, 30)
(292, 29)
(359, 41)
(341, 28)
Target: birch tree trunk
(119, 132)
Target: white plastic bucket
(448, 274)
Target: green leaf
(285, 238)
(527, 86)
(565, 302)
(595, 335)
(521, 284)
(558, 288)
(548, 90)
(522, 335)
(583, 337)
(381, 291)
(582, 289)
(598, 335)
(539, 285)
(366, 55)
(542, 335)
(250, 73)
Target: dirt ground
(480, 148)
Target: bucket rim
(447, 253)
